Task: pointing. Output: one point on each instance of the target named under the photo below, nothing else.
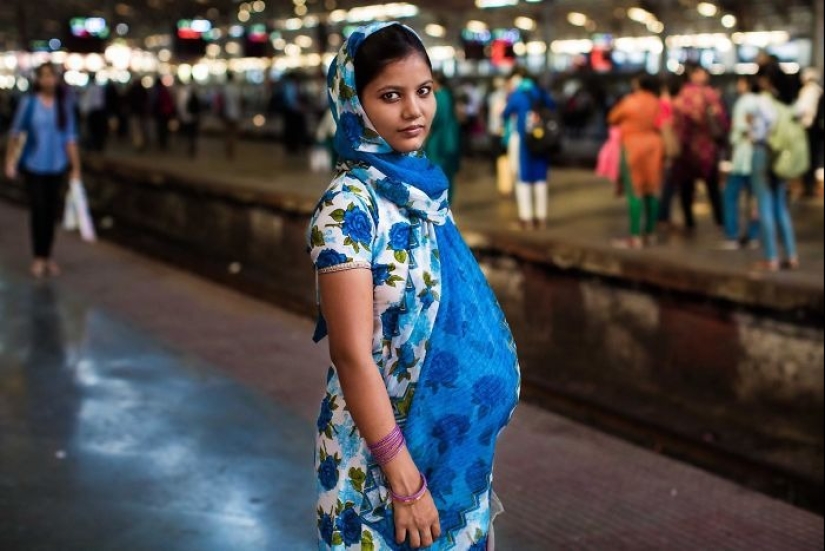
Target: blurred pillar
(819, 34)
(548, 18)
(22, 27)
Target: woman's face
(400, 102)
(47, 80)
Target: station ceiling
(45, 18)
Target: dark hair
(59, 92)
(520, 72)
(383, 48)
(693, 67)
(768, 79)
(673, 83)
(649, 83)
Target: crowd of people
(666, 136)
(669, 138)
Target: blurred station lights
(493, 35)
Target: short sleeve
(17, 124)
(342, 230)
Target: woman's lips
(412, 132)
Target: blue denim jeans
(738, 183)
(774, 214)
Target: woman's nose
(412, 109)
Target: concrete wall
(707, 369)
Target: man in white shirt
(807, 108)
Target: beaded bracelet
(388, 449)
(413, 499)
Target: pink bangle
(415, 498)
(387, 438)
(388, 449)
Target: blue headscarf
(357, 141)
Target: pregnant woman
(425, 374)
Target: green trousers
(646, 207)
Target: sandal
(38, 269)
(629, 244)
(791, 264)
(53, 268)
(771, 266)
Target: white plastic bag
(76, 215)
(319, 159)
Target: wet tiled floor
(111, 441)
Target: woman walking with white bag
(44, 133)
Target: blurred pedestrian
(469, 102)
(95, 116)
(137, 99)
(786, 85)
(323, 156)
(231, 112)
(643, 152)
(771, 191)
(163, 111)
(808, 109)
(497, 131)
(189, 107)
(531, 190)
(745, 110)
(702, 126)
(443, 147)
(50, 150)
(295, 121)
(671, 87)
(114, 112)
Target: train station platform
(681, 347)
(142, 407)
(584, 214)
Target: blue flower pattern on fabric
(394, 191)
(325, 418)
(330, 258)
(442, 372)
(389, 322)
(349, 523)
(328, 473)
(427, 298)
(381, 274)
(400, 237)
(326, 526)
(358, 226)
(406, 361)
(352, 127)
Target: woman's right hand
(418, 523)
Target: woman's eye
(426, 91)
(391, 96)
